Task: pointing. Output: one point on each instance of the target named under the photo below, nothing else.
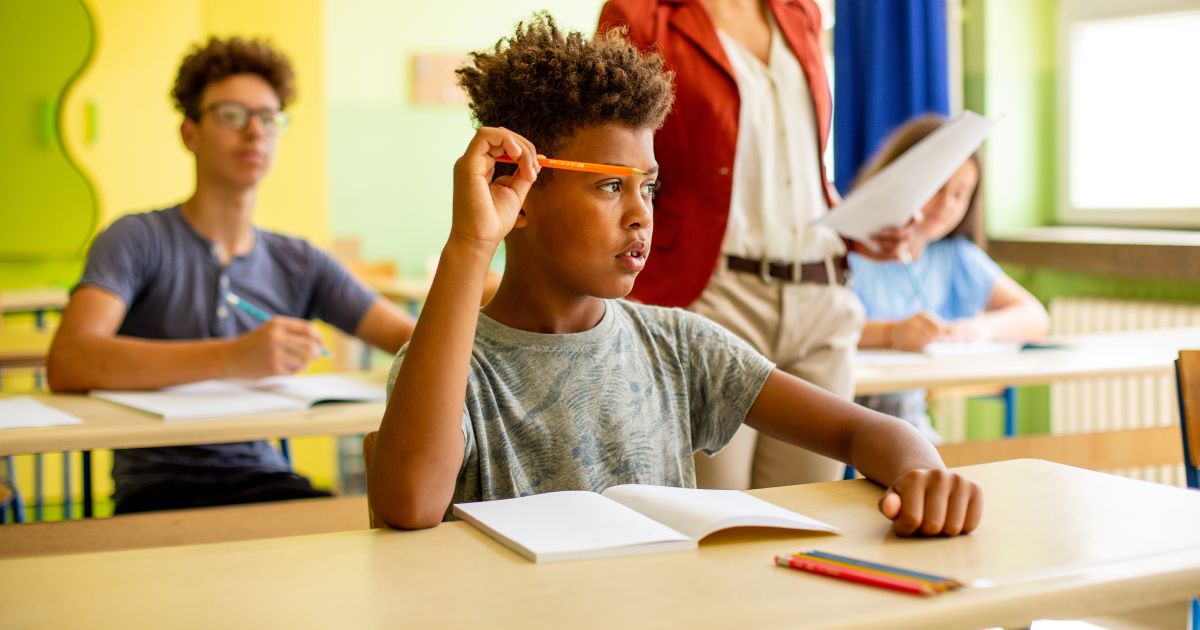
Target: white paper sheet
(897, 192)
(24, 411)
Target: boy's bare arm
(420, 446)
(88, 354)
(922, 496)
(385, 326)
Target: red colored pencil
(852, 575)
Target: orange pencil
(583, 167)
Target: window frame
(1075, 12)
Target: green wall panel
(47, 207)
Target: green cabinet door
(47, 207)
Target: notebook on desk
(218, 398)
(623, 520)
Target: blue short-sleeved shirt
(173, 287)
(956, 275)
(957, 278)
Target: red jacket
(695, 148)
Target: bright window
(1129, 117)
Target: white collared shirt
(777, 186)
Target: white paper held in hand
(893, 195)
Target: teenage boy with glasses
(150, 310)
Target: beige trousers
(809, 330)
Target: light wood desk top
(185, 527)
(1057, 542)
(27, 300)
(1143, 353)
(108, 425)
(401, 289)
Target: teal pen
(255, 312)
(907, 261)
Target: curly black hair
(545, 84)
(222, 58)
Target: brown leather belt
(792, 272)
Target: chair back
(368, 451)
(1187, 380)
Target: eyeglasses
(236, 116)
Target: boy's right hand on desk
(283, 345)
(486, 210)
(932, 502)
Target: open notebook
(967, 349)
(623, 520)
(211, 399)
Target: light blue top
(956, 275)
(957, 279)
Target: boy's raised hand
(932, 502)
(485, 210)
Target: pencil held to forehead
(582, 167)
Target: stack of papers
(24, 411)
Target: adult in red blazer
(799, 313)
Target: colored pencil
(583, 167)
(842, 572)
(884, 568)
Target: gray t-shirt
(628, 401)
(173, 287)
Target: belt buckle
(764, 270)
(797, 272)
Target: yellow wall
(136, 158)
(293, 199)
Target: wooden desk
(24, 349)
(185, 527)
(1142, 353)
(107, 425)
(33, 300)
(1058, 541)
(401, 290)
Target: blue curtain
(889, 65)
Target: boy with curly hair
(558, 384)
(150, 310)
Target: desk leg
(1010, 411)
(39, 319)
(87, 484)
(18, 503)
(39, 495)
(66, 493)
(285, 449)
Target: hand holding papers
(894, 194)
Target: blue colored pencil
(882, 567)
